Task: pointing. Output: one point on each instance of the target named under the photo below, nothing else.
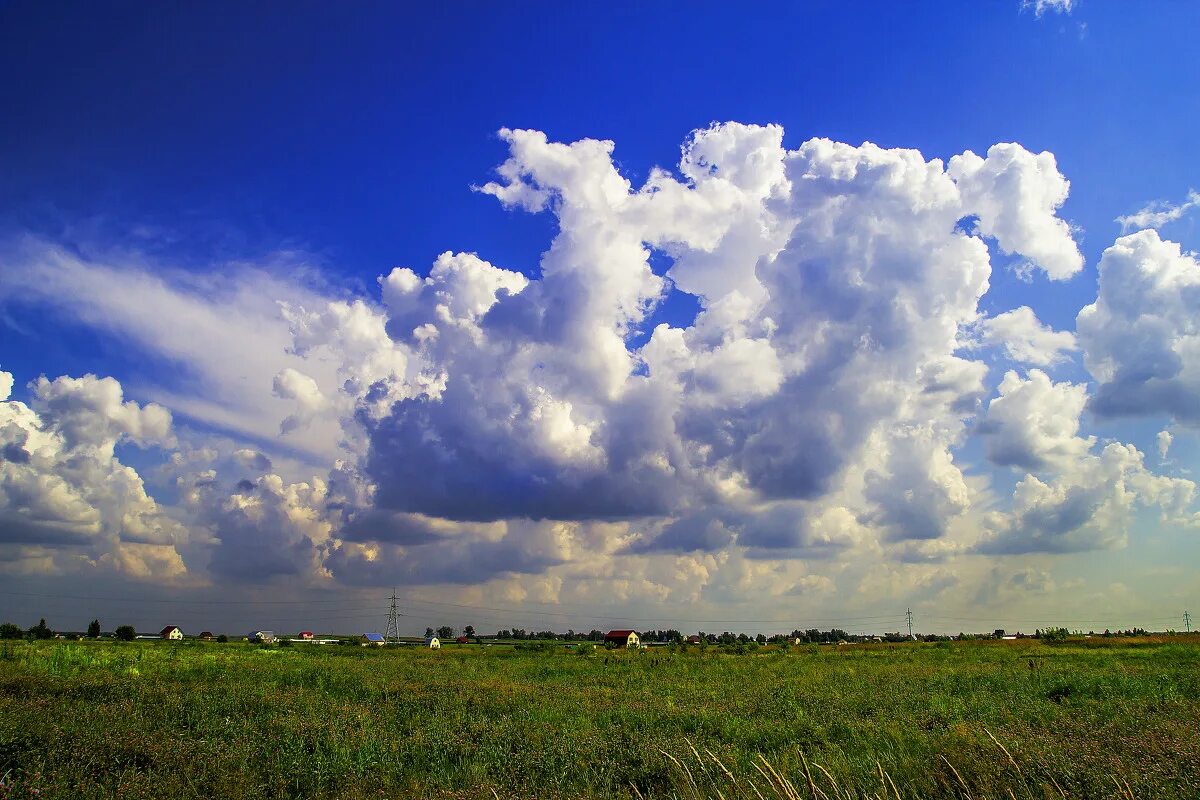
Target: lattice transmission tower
(392, 635)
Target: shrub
(223, 639)
(10, 631)
(126, 633)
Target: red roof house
(306, 634)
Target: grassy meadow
(1080, 719)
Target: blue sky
(243, 158)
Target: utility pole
(908, 616)
(1187, 621)
(392, 636)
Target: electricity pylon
(392, 635)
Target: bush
(223, 639)
(10, 631)
(126, 633)
(1054, 635)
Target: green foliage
(126, 633)
(41, 630)
(93, 630)
(147, 720)
(222, 639)
(10, 631)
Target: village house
(373, 640)
(693, 639)
(462, 640)
(206, 636)
(262, 637)
(306, 635)
(433, 643)
(171, 632)
(628, 639)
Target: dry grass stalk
(1011, 760)
(961, 782)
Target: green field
(1080, 719)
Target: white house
(432, 643)
(171, 632)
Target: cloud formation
(66, 500)
(1158, 214)
(537, 426)
(1140, 338)
(1026, 339)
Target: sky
(600, 316)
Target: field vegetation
(1077, 718)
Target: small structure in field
(693, 639)
(171, 633)
(628, 639)
(373, 640)
(206, 636)
(433, 643)
(262, 637)
(462, 640)
(306, 635)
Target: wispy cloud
(1040, 7)
(1159, 213)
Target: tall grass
(970, 720)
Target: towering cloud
(66, 500)
(1140, 338)
(492, 426)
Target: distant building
(373, 640)
(627, 639)
(693, 640)
(306, 635)
(206, 635)
(462, 640)
(263, 637)
(171, 632)
(433, 643)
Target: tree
(222, 639)
(126, 633)
(41, 630)
(94, 629)
(445, 632)
(10, 631)
(428, 632)
(469, 630)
